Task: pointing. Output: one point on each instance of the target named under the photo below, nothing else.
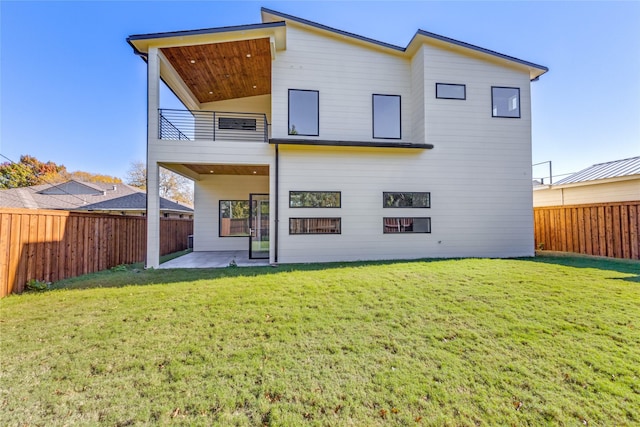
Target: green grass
(544, 341)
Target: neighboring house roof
(79, 195)
(607, 170)
(134, 202)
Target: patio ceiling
(258, 170)
(219, 71)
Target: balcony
(186, 125)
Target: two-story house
(310, 144)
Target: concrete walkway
(215, 259)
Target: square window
(234, 218)
(505, 102)
(304, 112)
(386, 116)
(451, 91)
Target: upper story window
(304, 116)
(505, 102)
(386, 116)
(451, 91)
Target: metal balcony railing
(212, 126)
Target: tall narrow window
(386, 116)
(304, 112)
(505, 102)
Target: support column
(153, 175)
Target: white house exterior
(347, 124)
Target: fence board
(54, 245)
(605, 229)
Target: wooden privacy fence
(604, 229)
(54, 245)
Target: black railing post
(160, 117)
(266, 129)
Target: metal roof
(614, 169)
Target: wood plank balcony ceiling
(219, 71)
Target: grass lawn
(544, 341)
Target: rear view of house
(308, 143)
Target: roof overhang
(421, 36)
(215, 64)
(425, 37)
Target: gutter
(277, 220)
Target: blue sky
(72, 91)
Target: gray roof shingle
(108, 196)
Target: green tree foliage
(31, 171)
(172, 186)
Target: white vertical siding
(346, 76)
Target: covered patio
(214, 259)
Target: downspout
(275, 236)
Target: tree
(172, 186)
(31, 171)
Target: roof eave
(141, 42)
(535, 70)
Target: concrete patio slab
(214, 259)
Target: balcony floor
(214, 259)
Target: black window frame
(339, 219)
(384, 225)
(464, 86)
(384, 196)
(315, 207)
(220, 217)
(289, 130)
(373, 115)
(519, 104)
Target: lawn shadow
(135, 275)
(626, 266)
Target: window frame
(519, 104)
(373, 116)
(384, 194)
(384, 226)
(289, 112)
(315, 207)
(464, 87)
(339, 219)
(220, 217)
